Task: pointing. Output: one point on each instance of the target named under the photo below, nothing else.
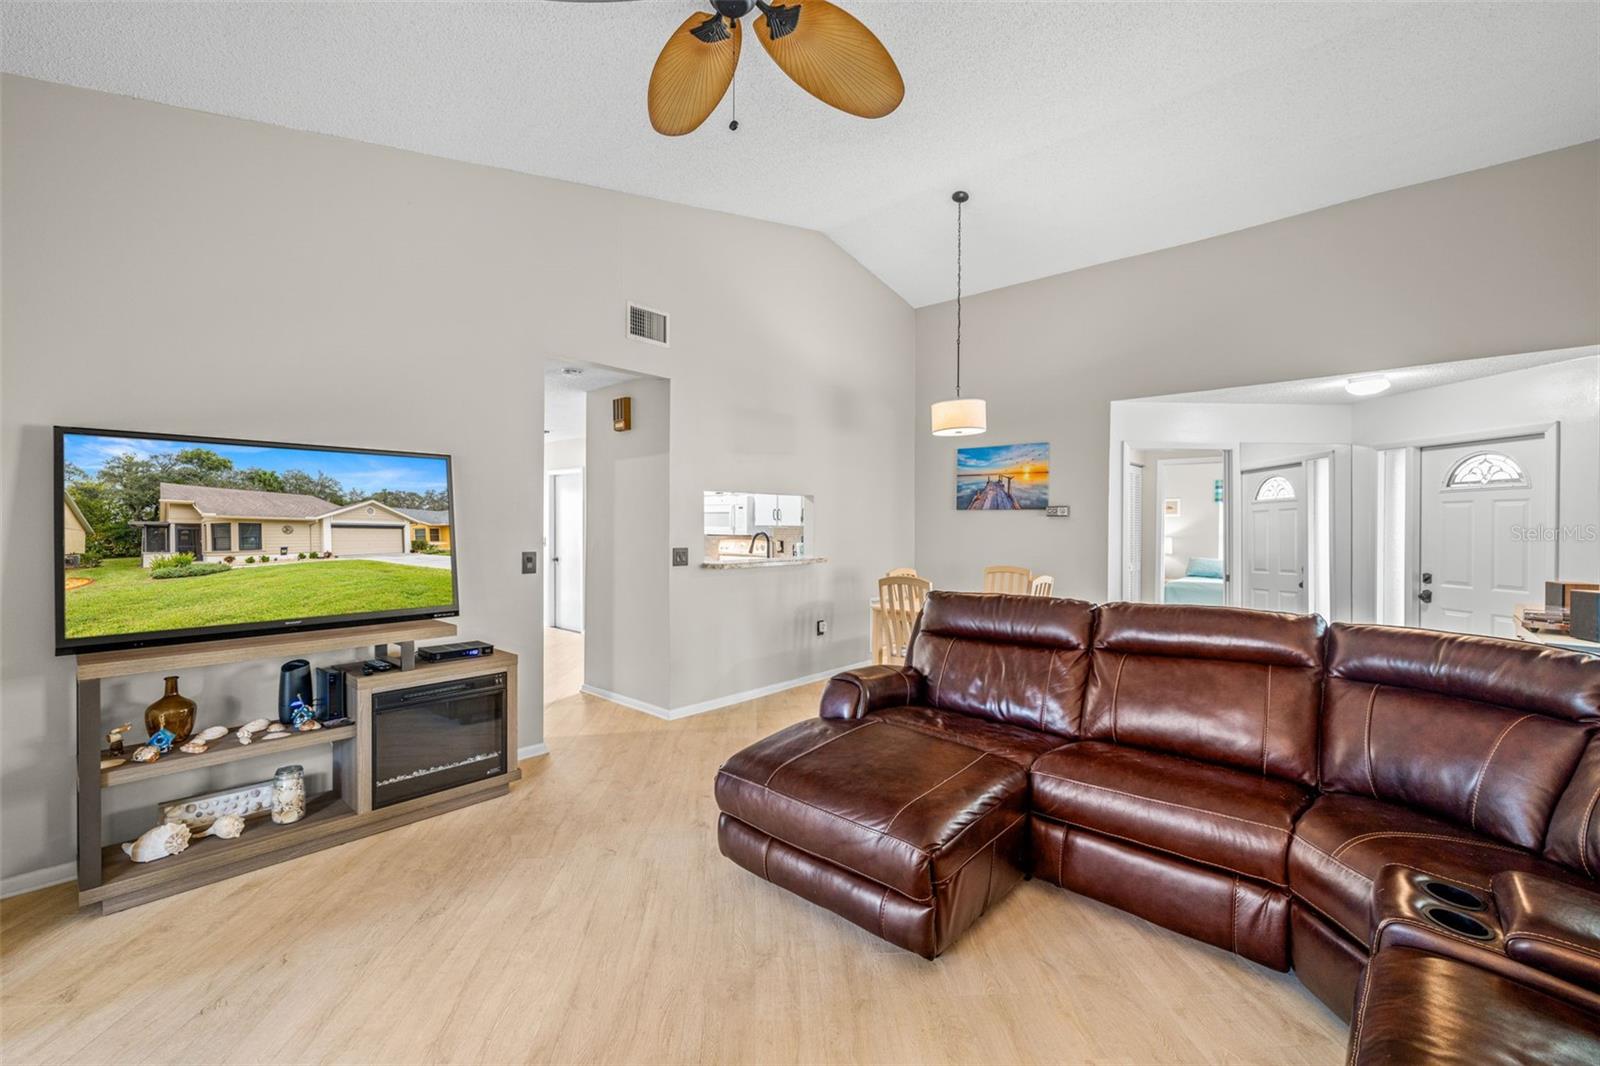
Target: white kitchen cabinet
(771, 509)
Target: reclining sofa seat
(1456, 755)
(904, 807)
(1198, 753)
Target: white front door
(1275, 539)
(566, 550)
(1482, 505)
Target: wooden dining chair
(1042, 585)
(900, 600)
(902, 571)
(1010, 580)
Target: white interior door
(566, 550)
(1479, 558)
(1275, 539)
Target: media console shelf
(111, 881)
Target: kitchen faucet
(762, 533)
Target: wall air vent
(647, 325)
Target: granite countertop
(759, 563)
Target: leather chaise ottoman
(915, 859)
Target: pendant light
(958, 417)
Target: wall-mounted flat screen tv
(165, 538)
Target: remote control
(376, 666)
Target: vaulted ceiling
(1085, 132)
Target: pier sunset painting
(1003, 477)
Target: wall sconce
(622, 414)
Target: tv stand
(107, 879)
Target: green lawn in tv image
(276, 533)
(122, 597)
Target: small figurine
(300, 712)
(114, 739)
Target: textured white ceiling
(1404, 379)
(1085, 132)
(564, 403)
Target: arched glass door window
(1483, 469)
(1275, 488)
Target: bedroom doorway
(1176, 527)
(1192, 519)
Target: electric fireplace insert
(433, 737)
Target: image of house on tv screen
(162, 536)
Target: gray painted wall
(176, 271)
(1493, 262)
(626, 643)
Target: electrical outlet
(822, 627)
(680, 556)
(530, 562)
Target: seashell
(194, 747)
(254, 725)
(227, 826)
(274, 736)
(308, 725)
(210, 733)
(106, 763)
(146, 753)
(168, 838)
(244, 738)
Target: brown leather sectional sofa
(1248, 779)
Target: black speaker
(1584, 620)
(294, 688)
(332, 690)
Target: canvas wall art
(1003, 477)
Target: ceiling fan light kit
(959, 417)
(823, 48)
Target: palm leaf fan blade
(692, 73)
(829, 53)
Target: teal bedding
(1203, 591)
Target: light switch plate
(822, 627)
(530, 562)
(680, 556)
(1059, 510)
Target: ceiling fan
(823, 48)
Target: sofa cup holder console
(1458, 922)
(1454, 896)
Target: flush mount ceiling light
(1367, 386)
(823, 48)
(958, 417)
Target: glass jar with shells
(288, 794)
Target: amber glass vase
(173, 711)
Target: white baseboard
(719, 702)
(627, 701)
(532, 750)
(34, 880)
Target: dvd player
(466, 649)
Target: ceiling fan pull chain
(733, 87)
